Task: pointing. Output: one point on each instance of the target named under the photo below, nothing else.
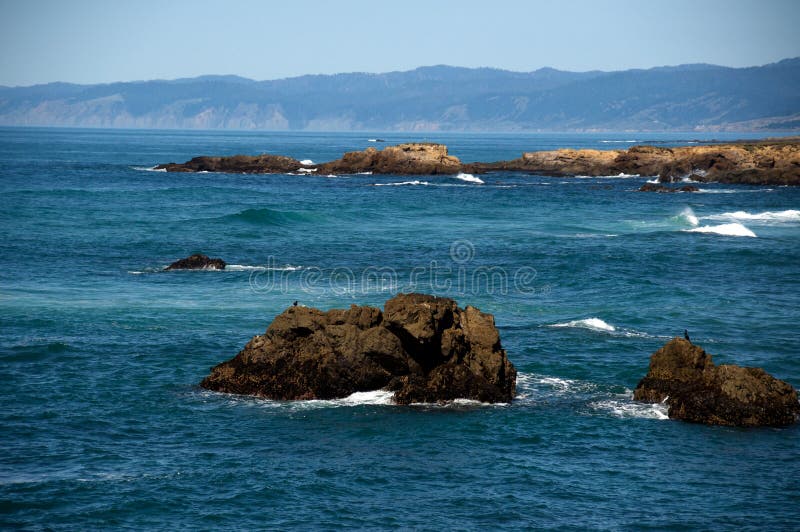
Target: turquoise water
(102, 424)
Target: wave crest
(595, 324)
(732, 229)
(469, 178)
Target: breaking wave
(149, 168)
(401, 183)
(594, 324)
(600, 326)
(688, 216)
(732, 229)
(469, 178)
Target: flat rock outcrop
(197, 262)
(424, 348)
(404, 159)
(696, 390)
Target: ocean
(103, 425)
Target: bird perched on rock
(294, 304)
(686, 335)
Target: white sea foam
(654, 181)
(767, 217)
(372, 140)
(598, 325)
(307, 162)
(732, 229)
(620, 175)
(469, 178)
(595, 324)
(532, 387)
(363, 173)
(402, 183)
(149, 169)
(375, 397)
(731, 191)
(460, 403)
(247, 268)
(306, 170)
(627, 408)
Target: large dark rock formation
(424, 348)
(657, 187)
(696, 390)
(197, 262)
(237, 164)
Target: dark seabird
(686, 335)
(294, 304)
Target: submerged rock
(696, 390)
(655, 187)
(422, 347)
(197, 262)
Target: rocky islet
(763, 162)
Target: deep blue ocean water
(102, 424)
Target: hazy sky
(84, 41)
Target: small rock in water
(197, 262)
(696, 390)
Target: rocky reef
(424, 348)
(405, 159)
(695, 389)
(765, 162)
(772, 161)
(197, 262)
(237, 164)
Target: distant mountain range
(687, 97)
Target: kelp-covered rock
(422, 347)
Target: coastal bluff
(423, 348)
(685, 377)
(762, 162)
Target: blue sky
(84, 41)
